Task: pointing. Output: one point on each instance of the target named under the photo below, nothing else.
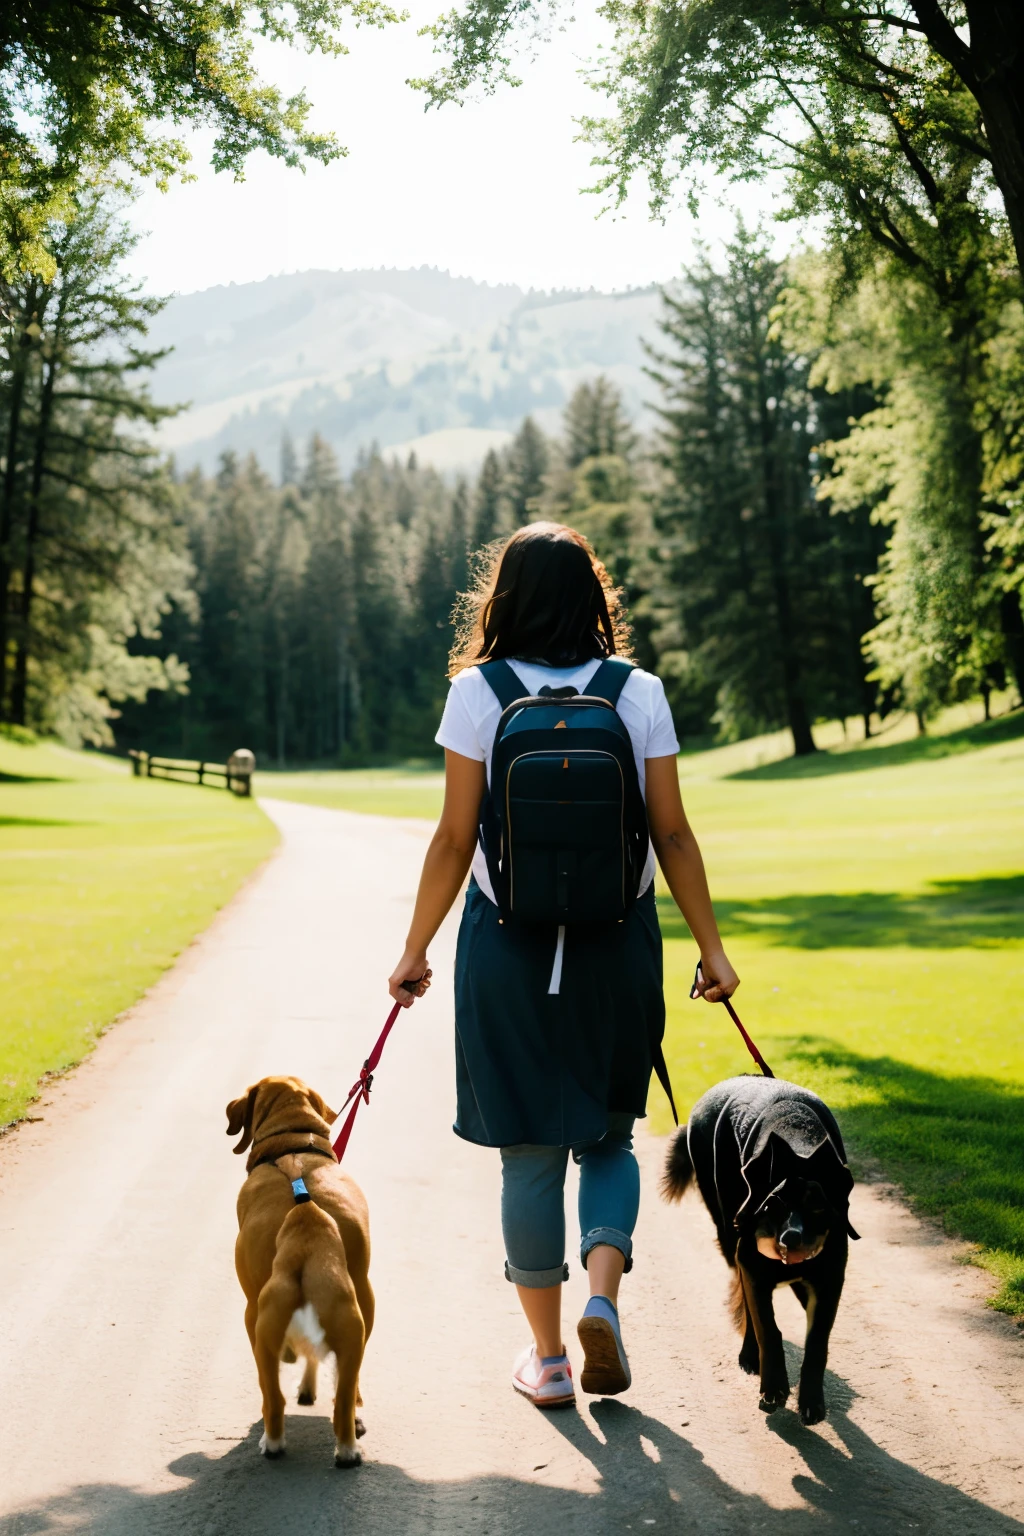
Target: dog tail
(678, 1171)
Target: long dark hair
(543, 595)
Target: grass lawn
(413, 790)
(104, 879)
(872, 899)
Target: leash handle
(698, 976)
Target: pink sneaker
(546, 1382)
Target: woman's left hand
(410, 978)
(716, 979)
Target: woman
(545, 1070)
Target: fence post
(202, 765)
(241, 764)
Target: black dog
(771, 1167)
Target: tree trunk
(774, 498)
(19, 687)
(8, 489)
(342, 687)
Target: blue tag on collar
(300, 1191)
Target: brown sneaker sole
(602, 1374)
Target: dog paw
(271, 1449)
(306, 1398)
(812, 1410)
(347, 1456)
(750, 1361)
(360, 1428)
(772, 1398)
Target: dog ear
(239, 1113)
(761, 1178)
(323, 1109)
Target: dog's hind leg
(278, 1300)
(347, 1338)
(367, 1306)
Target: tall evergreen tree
(749, 569)
(489, 509)
(526, 461)
(595, 424)
(91, 550)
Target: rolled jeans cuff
(536, 1279)
(610, 1237)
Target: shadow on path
(650, 1478)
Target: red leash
(751, 1047)
(360, 1090)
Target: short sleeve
(662, 740)
(457, 731)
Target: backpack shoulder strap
(610, 679)
(503, 682)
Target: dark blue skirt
(543, 1069)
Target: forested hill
(408, 359)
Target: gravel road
(128, 1395)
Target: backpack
(564, 826)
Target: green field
(872, 899)
(104, 879)
(873, 903)
(410, 791)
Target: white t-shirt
(472, 712)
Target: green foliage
(526, 459)
(892, 122)
(321, 630)
(91, 552)
(934, 464)
(757, 589)
(90, 87)
(597, 482)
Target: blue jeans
(533, 1203)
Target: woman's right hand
(410, 977)
(716, 979)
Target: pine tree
(91, 550)
(526, 461)
(747, 582)
(595, 424)
(489, 509)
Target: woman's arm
(683, 868)
(444, 869)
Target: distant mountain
(412, 360)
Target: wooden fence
(235, 774)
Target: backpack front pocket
(564, 837)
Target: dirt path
(128, 1398)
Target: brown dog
(303, 1267)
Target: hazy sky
(490, 190)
